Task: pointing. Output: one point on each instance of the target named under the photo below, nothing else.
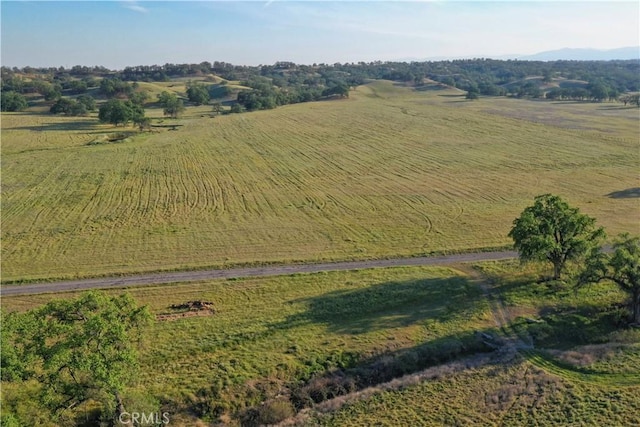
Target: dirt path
(232, 273)
(511, 341)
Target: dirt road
(272, 270)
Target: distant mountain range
(632, 52)
(582, 54)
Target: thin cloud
(132, 5)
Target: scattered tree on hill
(529, 89)
(76, 86)
(78, 107)
(78, 350)
(68, 107)
(137, 113)
(472, 93)
(88, 102)
(598, 91)
(217, 107)
(171, 104)
(631, 99)
(112, 87)
(340, 89)
(118, 112)
(490, 89)
(621, 267)
(197, 93)
(144, 124)
(139, 97)
(551, 230)
(13, 101)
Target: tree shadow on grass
(616, 107)
(629, 193)
(75, 125)
(567, 327)
(432, 88)
(325, 374)
(388, 305)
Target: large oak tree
(551, 230)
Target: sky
(116, 34)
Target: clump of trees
(596, 92)
(116, 112)
(80, 106)
(114, 87)
(74, 351)
(197, 93)
(13, 101)
(631, 99)
(552, 231)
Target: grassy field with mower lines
(388, 172)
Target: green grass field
(287, 336)
(517, 394)
(275, 332)
(583, 370)
(388, 172)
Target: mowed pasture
(388, 172)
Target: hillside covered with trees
(268, 86)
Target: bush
(275, 411)
(323, 388)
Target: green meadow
(272, 334)
(388, 172)
(395, 346)
(578, 367)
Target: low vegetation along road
(233, 273)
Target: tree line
(287, 82)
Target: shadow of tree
(616, 107)
(358, 310)
(432, 88)
(77, 125)
(388, 305)
(629, 193)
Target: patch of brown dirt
(188, 309)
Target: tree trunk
(557, 269)
(635, 306)
(120, 419)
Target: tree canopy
(118, 112)
(70, 107)
(551, 230)
(171, 104)
(197, 93)
(13, 101)
(78, 349)
(621, 267)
